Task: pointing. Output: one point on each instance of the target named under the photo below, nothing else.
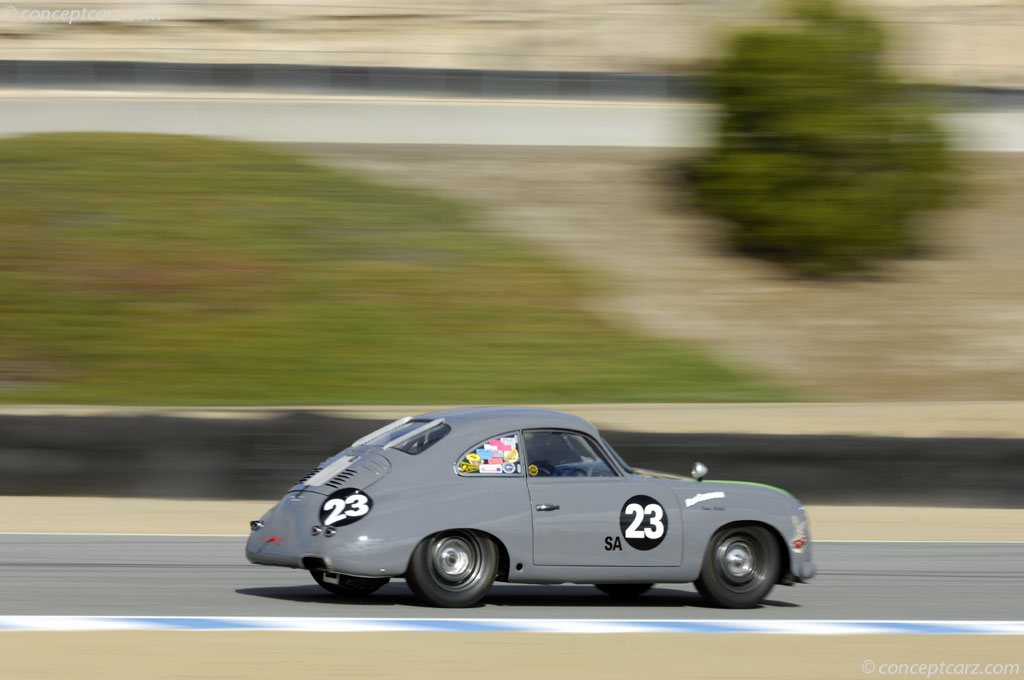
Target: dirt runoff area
(947, 325)
(498, 656)
(50, 514)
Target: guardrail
(259, 458)
(392, 81)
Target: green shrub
(823, 158)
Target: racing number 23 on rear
(344, 507)
(643, 522)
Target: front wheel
(740, 567)
(348, 586)
(624, 590)
(453, 569)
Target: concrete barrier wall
(392, 81)
(259, 458)
(348, 80)
(842, 470)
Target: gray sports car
(455, 500)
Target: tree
(823, 158)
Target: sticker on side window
(497, 456)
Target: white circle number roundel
(344, 507)
(643, 522)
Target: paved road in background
(418, 121)
(105, 575)
(369, 121)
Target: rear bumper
(338, 557)
(280, 541)
(286, 539)
(273, 559)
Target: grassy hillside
(164, 270)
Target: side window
(495, 456)
(554, 453)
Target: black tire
(453, 568)
(740, 567)
(349, 586)
(624, 590)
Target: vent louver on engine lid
(330, 468)
(361, 474)
(309, 475)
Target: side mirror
(699, 471)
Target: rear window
(413, 436)
(424, 440)
(397, 433)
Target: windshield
(615, 454)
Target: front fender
(733, 504)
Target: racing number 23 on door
(643, 522)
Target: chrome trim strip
(382, 431)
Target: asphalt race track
(126, 575)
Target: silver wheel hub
(453, 559)
(737, 560)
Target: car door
(587, 513)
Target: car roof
(491, 419)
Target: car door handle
(546, 507)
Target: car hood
(654, 474)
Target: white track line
(452, 625)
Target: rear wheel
(740, 567)
(453, 569)
(350, 586)
(624, 590)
